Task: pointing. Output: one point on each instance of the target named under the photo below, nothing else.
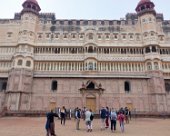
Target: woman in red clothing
(121, 119)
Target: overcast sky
(84, 9)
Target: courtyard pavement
(35, 126)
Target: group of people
(108, 118)
(87, 115)
(122, 115)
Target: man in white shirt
(88, 121)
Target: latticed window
(28, 63)
(156, 65)
(149, 66)
(19, 62)
(90, 66)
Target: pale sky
(84, 9)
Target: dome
(142, 2)
(31, 6)
(145, 5)
(34, 1)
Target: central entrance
(91, 93)
(91, 104)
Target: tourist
(63, 115)
(59, 112)
(107, 118)
(47, 125)
(121, 119)
(103, 117)
(78, 116)
(50, 125)
(83, 113)
(130, 115)
(87, 120)
(91, 119)
(126, 115)
(70, 113)
(113, 118)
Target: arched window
(147, 50)
(19, 62)
(90, 49)
(54, 85)
(127, 86)
(156, 66)
(33, 7)
(153, 49)
(143, 7)
(28, 63)
(149, 66)
(4, 86)
(29, 6)
(91, 86)
(90, 66)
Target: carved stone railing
(81, 57)
(89, 74)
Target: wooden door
(130, 106)
(91, 104)
(52, 105)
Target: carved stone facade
(47, 63)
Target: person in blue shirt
(103, 117)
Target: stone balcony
(152, 55)
(82, 57)
(90, 74)
(24, 53)
(150, 41)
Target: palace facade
(46, 62)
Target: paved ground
(14, 126)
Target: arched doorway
(91, 93)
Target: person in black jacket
(78, 116)
(50, 125)
(63, 115)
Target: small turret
(145, 6)
(31, 6)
